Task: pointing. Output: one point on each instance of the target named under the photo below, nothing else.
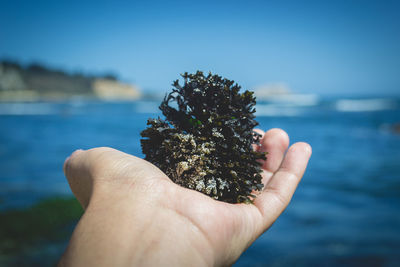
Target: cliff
(36, 82)
(106, 89)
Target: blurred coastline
(37, 82)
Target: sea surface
(345, 212)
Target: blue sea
(345, 212)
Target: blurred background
(81, 74)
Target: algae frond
(205, 141)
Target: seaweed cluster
(205, 142)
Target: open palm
(123, 194)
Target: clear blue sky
(322, 47)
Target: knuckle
(94, 161)
(105, 162)
(98, 155)
(74, 155)
(98, 151)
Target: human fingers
(274, 142)
(261, 133)
(107, 169)
(86, 168)
(279, 190)
(80, 168)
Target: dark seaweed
(205, 142)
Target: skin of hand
(136, 216)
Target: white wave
(360, 105)
(276, 111)
(293, 99)
(27, 109)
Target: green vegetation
(48, 221)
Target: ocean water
(345, 212)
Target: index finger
(281, 187)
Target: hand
(135, 215)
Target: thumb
(78, 175)
(84, 167)
(86, 170)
